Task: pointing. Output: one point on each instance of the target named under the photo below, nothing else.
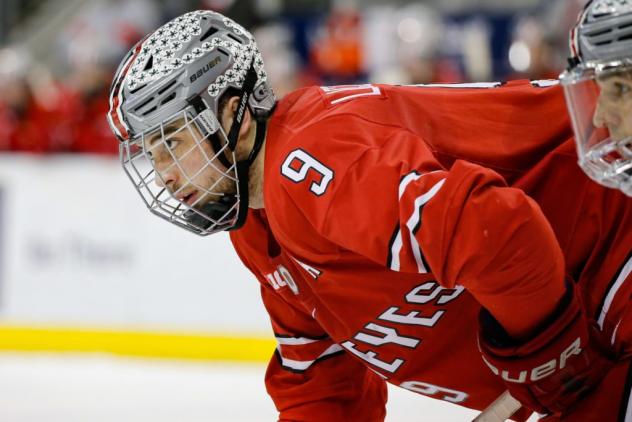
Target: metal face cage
(180, 176)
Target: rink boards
(85, 267)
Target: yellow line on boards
(137, 343)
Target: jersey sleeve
(310, 377)
(389, 200)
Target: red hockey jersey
(382, 203)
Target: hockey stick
(500, 410)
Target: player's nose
(166, 176)
(606, 116)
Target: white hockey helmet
(171, 83)
(598, 89)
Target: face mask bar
(599, 104)
(180, 176)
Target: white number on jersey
(306, 162)
(442, 393)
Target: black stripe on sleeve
(302, 371)
(389, 258)
(415, 230)
(323, 337)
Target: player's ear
(229, 114)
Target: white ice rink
(84, 388)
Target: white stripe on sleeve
(628, 413)
(410, 177)
(397, 245)
(625, 272)
(295, 341)
(395, 250)
(413, 221)
(302, 365)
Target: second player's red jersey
(382, 204)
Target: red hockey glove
(550, 372)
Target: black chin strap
(243, 167)
(243, 173)
(246, 91)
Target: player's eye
(622, 88)
(618, 89)
(172, 143)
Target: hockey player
(598, 86)
(397, 232)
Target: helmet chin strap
(243, 166)
(243, 173)
(221, 209)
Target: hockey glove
(552, 370)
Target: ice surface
(103, 388)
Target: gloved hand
(558, 365)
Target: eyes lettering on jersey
(297, 165)
(373, 358)
(428, 293)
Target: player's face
(184, 162)
(614, 107)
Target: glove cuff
(559, 339)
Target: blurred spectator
(34, 114)
(532, 54)
(243, 11)
(337, 53)
(41, 115)
(421, 46)
(540, 41)
(307, 42)
(282, 61)
(93, 44)
(407, 45)
(88, 86)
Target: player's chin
(201, 200)
(197, 200)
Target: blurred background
(86, 271)
(57, 56)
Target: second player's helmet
(172, 82)
(598, 88)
